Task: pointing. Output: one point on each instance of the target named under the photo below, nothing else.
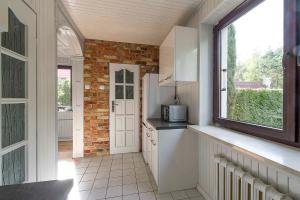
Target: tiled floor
(65, 149)
(116, 177)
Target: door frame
(112, 134)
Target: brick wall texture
(97, 56)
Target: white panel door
(18, 96)
(124, 108)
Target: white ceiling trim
(67, 43)
(134, 21)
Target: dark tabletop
(160, 124)
(49, 190)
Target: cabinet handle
(148, 135)
(168, 77)
(153, 143)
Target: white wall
(46, 90)
(284, 180)
(199, 98)
(65, 125)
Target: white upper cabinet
(178, 57)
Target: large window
(255, 69)
(64, 88)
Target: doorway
(64, 112)
(124, 108)
(69, 94)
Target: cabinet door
(167, 64)
(144, 145)
(155, 156)
(186, 54)
(149, 148)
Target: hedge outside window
(64, 88)
(255, 70)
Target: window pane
(129, 77)
(119, 76)
(129, 92)
(64, 89)
(14, 39)
(13, 124)
(251, 66)
(119, 92)
(13, 167)
(13, 77)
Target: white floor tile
(131, 197)
(140, 170)
(90, 170)
(128, 172)
(80, 171)
(115, 198)
(101, 183)
(164, 196)
(116, 173)
(88, 177)
(86, 185)
(130, 189)
(145, 187)
(114, 191)
(142, 177)
(192, 193)
(179, 195)
(129, 180)
(97, 194)
(102, 174)
(147, 196)
(115, 181)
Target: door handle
(113, 104)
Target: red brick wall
(98, 54)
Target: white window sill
(278, 153)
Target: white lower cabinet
(174, 160)
(154, 155)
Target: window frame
(71, 88)
(289, 134)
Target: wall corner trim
(46, 91)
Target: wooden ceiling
(133, 21)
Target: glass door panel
(13, 124)
(13, 167)
(14, 102)
(13, 77)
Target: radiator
(65, 125)
(233, 183)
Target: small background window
(64, 88)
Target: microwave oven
(174, 113)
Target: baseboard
(203, 193)
(129, 150)
(65, 139)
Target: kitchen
(181, 99)
(166, 142)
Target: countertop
(160, 124)
(48, 190)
